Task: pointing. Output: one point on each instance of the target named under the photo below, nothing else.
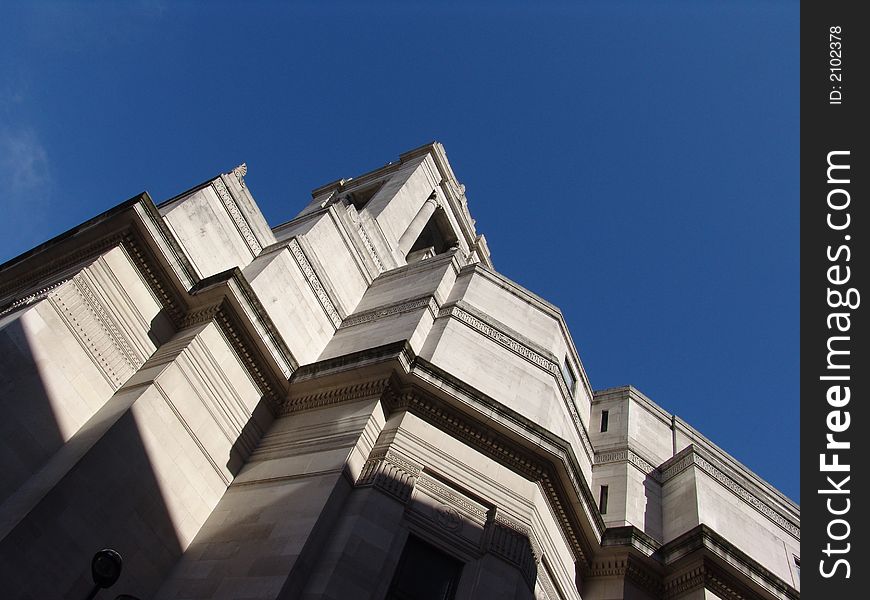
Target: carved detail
(373, 253)
(240, 173)
(33, 297)
(547, 589)
(503, 451)
(238, 218)
(628, 455)
(449, 497)
(380, 313)
(448, 517)
(693, 458)
(96, 329)
(243, 346)
(314, 282)
(390, 473)
(532, 356)
(369, 389)
(502, 338)
(511, 541)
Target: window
(602, 500)
(797, 566)
(360, 197)
(568, 376)
(424, 573)
(605, 416)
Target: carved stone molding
(506, 452)
(240, 173)
(391, 473)
(238, 218)
(314, 282)
(630, 456)
(449, 497)
(707, 575)
(481, 325)
(32, 297)
(448, 517)
(631, 569)
(369, 389)
(729, 483)
(502, 338)
(394, 309)
(370, 247)
(512, 541)
(96, 330)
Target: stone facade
(246, 411)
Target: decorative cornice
(630, 456)
(32, 297)
(512, 541)
(692, 457)
(96, 330)
(448, 496)
(317, 287)
(505, 451)
(238, 218)
(391, 473)
(708, 575)
(630, 568)
(502, 338)
(370, 247)
(369, 389)
(393, 309)
(482, 325)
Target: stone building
(353, 404)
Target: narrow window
(605, 415)
(424, 573)
(568, 376)
(602, 500)
(797, 566)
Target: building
(351, 405)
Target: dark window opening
(424, 573)
(568, 376)
(605, 416)
(359, 198)
(797, 566)
(436, 238)
(602, 500)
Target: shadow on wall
(63, 501)
(652, 514)
(29, 434)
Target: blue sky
(634, 163)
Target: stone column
(406, 242)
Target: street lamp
(105, 570)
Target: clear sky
(634, 163)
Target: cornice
(626, 454)
(314, 282)
(694, 456)
(550, 309)
(512, 454)
(235, 213)
(350, 393)
(424, 301)
(517, 344)
(630, 568)
(703, 557)
(139, 230)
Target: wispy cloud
(24, 165)
(26, 187)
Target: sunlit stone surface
(353, 404)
